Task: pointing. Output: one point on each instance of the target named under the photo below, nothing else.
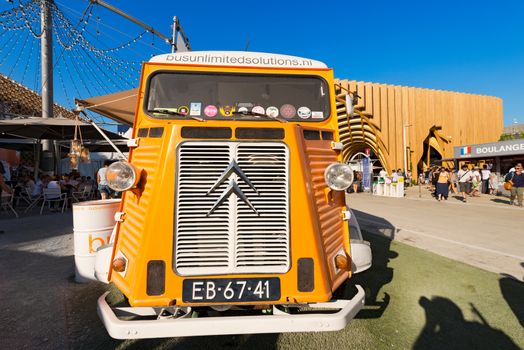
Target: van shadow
(87, 332)
(446, 328)
(243, 341)
(227, 342)
(379, 233)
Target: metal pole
(131, 18)
(90, 121)
(405, 149)
(173, 39)
(46, 42)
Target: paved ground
(485, 232)
(414, 298)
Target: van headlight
(121, 176)
(339, 176)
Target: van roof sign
(237, 58)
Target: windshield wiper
(260, 115)
(171, 112)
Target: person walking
(409, 178)
(464, 179)
(394, 176)
(443, 184)
(494, 184)
(434, 179)
(517, 190)
(485, 174)
(101, 179)
(453, 181)
(476, 182)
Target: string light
(19, 56)
(89, 60)
(28, 62)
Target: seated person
(4, 189)
(37, 188)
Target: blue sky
(467, 46)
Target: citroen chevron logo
(232, 187)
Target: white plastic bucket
(93, 223)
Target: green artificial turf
(417, 299)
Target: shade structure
(100, 145)
(119, 106)
(50, 129)
(18, 144)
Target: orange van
(233, 217)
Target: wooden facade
(434, 121)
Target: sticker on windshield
(317, 115)
(304, 112)
(288, 111)
(258, 110)
(195, 108)
(210, 111)
(272, 111)
(183, 110)
(246, 105)
(227, 110)
(243, 110)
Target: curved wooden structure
(434, 121)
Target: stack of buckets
(93, 224)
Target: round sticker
(304, 112)
(227, 110)
(243, 110)
(183, 110)
(288, 111)
(272, 111)
(259, 110)
(210, 111)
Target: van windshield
(176, 95)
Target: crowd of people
(471, 181)
(22, 185)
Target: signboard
(485, 150)
(366, 176)
(237, 58)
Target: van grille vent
(232, 208)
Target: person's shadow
(513, 292)
(446, 328)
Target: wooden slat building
(434, 121)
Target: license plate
(231, 290)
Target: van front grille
(232, 208)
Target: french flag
(465, 151)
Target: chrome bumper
(278, 322)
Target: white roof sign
(237, 59)
(502, 148)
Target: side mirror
(349, 105)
